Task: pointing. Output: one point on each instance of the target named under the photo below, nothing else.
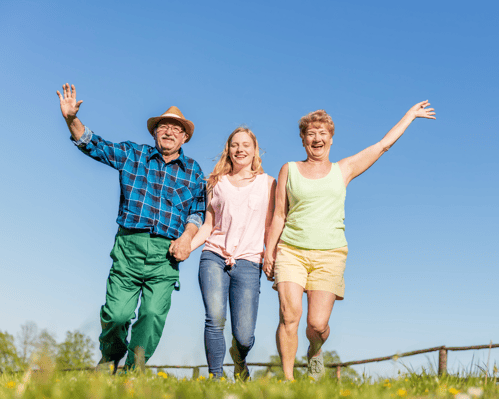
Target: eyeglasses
(172, 128)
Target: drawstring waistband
(230, 261)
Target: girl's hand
(268, 267)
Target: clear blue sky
(421, 223)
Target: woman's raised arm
(357, 164)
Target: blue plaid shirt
(155, 196)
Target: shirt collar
(180, 160)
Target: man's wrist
(186, 235)
(70, 119)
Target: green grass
(84, 384)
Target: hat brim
(188, 125)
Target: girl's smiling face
(241, 150)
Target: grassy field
(84, 384)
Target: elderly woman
(241, 205)
(306, 247)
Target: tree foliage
(9, 360)
(27, 340)
(75, 352)
(46, 344)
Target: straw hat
(175, 114)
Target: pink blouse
(240, 214)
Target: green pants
(142, 267)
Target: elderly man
(162, 199)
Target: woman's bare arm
(277, 225)
(357, 164)
(271, 206)
(205, 231)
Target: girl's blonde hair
(224, 164)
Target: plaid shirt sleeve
(198, 205)
(112, 154)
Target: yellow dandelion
(442, 391)
(211, 375)
(162, 374)
(10, 384)
(401, 392)
(407, 379)
(426, 390)
(129, 387)
(222, 378)
(387, 385)
(201, 378)
(453, 391)
(345, 392)
(279, 381)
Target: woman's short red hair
(316, 119)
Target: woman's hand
(268, 267)
(420, 111)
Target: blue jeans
(241, 284)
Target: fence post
(442, 361)
(338, 373)
(139, 358)
(195, 373)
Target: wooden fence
(442, 360)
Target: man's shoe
(240, 368)
(105, 365)
(316, 366)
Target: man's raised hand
(69, 106)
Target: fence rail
(442, 360)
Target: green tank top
(316, 211)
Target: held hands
(180, 249)
(268, 266)
(420, 111)
(69, 106)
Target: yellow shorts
(313, 269)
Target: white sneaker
(316, 366)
